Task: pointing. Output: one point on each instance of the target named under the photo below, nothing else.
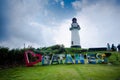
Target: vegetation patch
(63, 72)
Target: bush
(98, 49)
(108, 54)
(114, 58)
(12, 57)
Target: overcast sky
(42, 23)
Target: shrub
(12, 57)
(98, 49)
(114, 58)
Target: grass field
(63, 72)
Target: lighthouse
(75, 38)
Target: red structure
(27, 61)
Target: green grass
(63, 72)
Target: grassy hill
(86, 71)
(15, 57)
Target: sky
(43, 23)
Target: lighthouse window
(72, 42)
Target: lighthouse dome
(74, 20)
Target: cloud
(30, 22)
(62, 35)
(77, 5)
(99, 23)
(29, 25)
(56, 1)
(24, 26)
(62, 4)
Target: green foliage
(11, 57)
(115, 58)
(3, 53)
(56, 49)
(75, 50)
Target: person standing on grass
(113, 48)
(108, 47)
(118, 47)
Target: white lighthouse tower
(75, 38)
